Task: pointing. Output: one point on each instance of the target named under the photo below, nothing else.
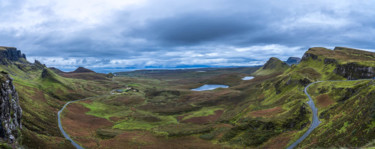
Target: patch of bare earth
(266, 112)
(81, 127)
(204, 119)
(324, 101)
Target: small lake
(248, 78)
(207, 87)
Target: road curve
(76, 145)
(315, 121)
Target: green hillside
(146, 109)
(273, 65)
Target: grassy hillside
(273, 65)
(336, 101)
(42, 93)
(269, 111)
(147, 109)
(347, 111)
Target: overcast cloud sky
(167, 33)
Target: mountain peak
(82, 70)
(273, 65)
(274, 62)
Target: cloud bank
(168, 33)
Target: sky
(134, 34)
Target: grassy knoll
(41, 94)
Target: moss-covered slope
(273, 65)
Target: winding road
(76, 145)
(315, 121)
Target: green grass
(206, 111)
(132, 124)
(106, 111)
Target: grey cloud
(195, 28)
(150, 31)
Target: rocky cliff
(10, 54)
(353, 71)
(10, 110)
(347, 62)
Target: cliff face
(353, 71)
(361, 66)
(10, 54)
(10, 110)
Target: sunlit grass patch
(203, 112)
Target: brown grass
(280, 141)
(146, 140)
(82, 127)
(311, 73)
(115, 119)
(324, 101)
(86, 76)
(345, 54)
(266, 112)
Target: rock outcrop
(10, 110)
(10, 54)
(306, 56)
(353, 71)
(315, 52)
(39, 64)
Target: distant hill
(56, 70)
(82, 70)
(84, 73)
(293, 60)
(273, 65)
